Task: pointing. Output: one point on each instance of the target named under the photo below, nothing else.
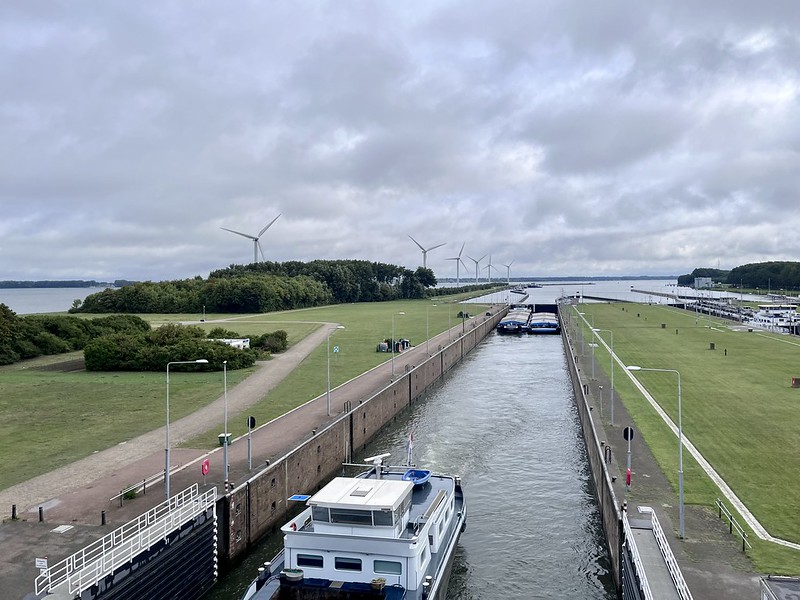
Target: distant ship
(389, 533)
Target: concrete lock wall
(606, 498)
(254, 509)
(257, 507)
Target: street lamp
(328, 397)
(199, 361)
(680, 438)
(612, 369)
(225, 433)
(583, 314)
(427, 330)
(393, 342)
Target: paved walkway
(77, 494)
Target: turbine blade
(462, 249)
(260, 233)
(436, 246)
(418, 244)
(249, 237)
(260, 250)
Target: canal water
(505, 420)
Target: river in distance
(505, 420)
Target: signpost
(627, 433)
(251, 423)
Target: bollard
(102, 517)
(13, 512)
(41, 514)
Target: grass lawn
(738, 408)
(53, 413)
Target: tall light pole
(328, 397)
(427, 330)
(680, 438)
(612, 369)
(225, 426)
(199, 361)
(583, 314)
(393, 342)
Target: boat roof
(362, 494)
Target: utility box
(222, 437)
(796, 382)
(712, 346)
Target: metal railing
(641, 577)
(733, 524)
(136, 487)
(669, 559)
(87, 566)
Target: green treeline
(266, 287)
(126, 342)
(766, 275)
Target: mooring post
(13, 512)
(41, 514)
(102, 517)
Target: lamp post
(328, 397)
(611, 393)
(199, 361)
(393, 342)
(680, 438)
(583, 314)
(449, 326)
(427, 330)
(225, 432)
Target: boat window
(388, 567)
(320, 514)
(382, 518)
(309, 560)
(343, 563)
(441, 527)
(423, 556)
(351, 517)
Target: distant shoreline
(75, 283)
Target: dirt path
(107, 463)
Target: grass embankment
(52, 412)
(738, 409)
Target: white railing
(641, 576)
(102, 557)
(669, 559)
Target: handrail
(135, 486)
(733, 524)
(637, 560)
(102, 557)
(669, 558)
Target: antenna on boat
(377, 462)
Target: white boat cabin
(360, 529)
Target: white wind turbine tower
(255, 238)
(476, 265)
(458, 263)
(425, 251)
(508, 272)
(489, 268)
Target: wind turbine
(489, 268)
(508, 272)
(425, 251)
(458, 263)
(255, 238)
(476, 265)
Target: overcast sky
(571, 137)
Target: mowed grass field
(53, 412)
(738, 409)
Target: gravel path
(107, 463)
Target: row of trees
(775, 275)
(39, 335)
(168, 343)
(265, 287)
(126, 342)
